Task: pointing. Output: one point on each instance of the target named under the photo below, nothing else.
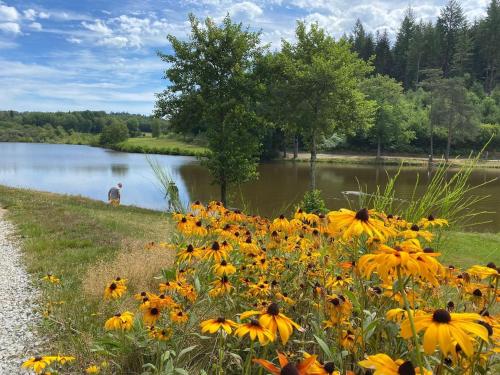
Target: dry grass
(134, 262)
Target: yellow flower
(160, 334)
(123, 321)
(483, 272)
(150, 314)
(115, 289)
(353, 224)
(385, 365)
(224, 268)
(39, 363)
(216, 252)
(189, 253)
(287, 367)
(213, 325)
(51, 279)
(274, 321)
(443, 328)
(178, 316)
(256, 331)
(93, 369)
(431, 221)
(318, 368)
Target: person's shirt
(114, 193)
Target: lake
(90, 172)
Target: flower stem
(412, 323)
(248, 365)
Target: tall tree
(362, 42)
(402, 47)
(453, 110)
(383, 55)
(323, 78)
(488, 43)
(450, 23)
(215, 66)
(391, 113)
(462, 58)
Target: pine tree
(489, 42)
(450, 24)
(383, 55)
(362, 42)
(401, 48)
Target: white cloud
(74, 40)
(8, 13)
(35, 26)
(245, 9)
(30, 14)
(10, 27)
(98, 27)
(115, 41)
(43, 15)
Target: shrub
(312, 202)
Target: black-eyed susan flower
(443, 328)
(221, 285)
(179, 316)
(382, 364)
(432, 221)
(286, 367)
(272, 319)
(483, 272)
(319, 368)
(255, 331)
(353, 224)
(150, 314)
(160, 334)
(189, 253)
(214, 325)
(39, 363)
(216, 252)
(115, 289)
(224, 268)
(120, 322)
(51, 279)
(94, 369)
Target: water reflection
(91, 171)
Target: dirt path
(17, 310)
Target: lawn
(168, 146)
(88, 243)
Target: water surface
(90, 172)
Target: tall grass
(167, 185)
(448, 195)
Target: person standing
(114, 195)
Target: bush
(114, 133)
(312, 202)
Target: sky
(62, 55)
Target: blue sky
(101, 55)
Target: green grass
(167, 146)
(71, 237)
(465, 249)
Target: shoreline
(303, 157)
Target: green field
(167, 146)
(87, 243)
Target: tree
(402, 46)
(488, 42)
(113, 133)
(450, 23)
(391, 115)
(156, 128)
(322, 78)
(453, 110)
(383, 55)
(215, 67)
(362, 42)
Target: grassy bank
(407, 160)
(88, 243)
(84, 242)
(165, 146)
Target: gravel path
(17, 312)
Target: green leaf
(324, 347)
(186, 350)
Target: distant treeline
(70, 127)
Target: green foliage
(312, 202)
(222, 87)
(156, 129)
(114, 133)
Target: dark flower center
(362, 215)
(154, 311)
(215, 246)
(441, 316)
(406, 368)
(37, 359)
(184, 220)
(255, 322)
(221, 320)
(491, 265)
(339, 278)
(224, 279)
(118, 315)
(223, 263)
(377, 290)
(329, 367)
(282, 216)
(430, 218)
(415, 228)
(390, 216)
(335, 301)
(197, 203)
(428, 250)
(289, 369)
(450, 305)
(113, 286)
(273, 309)
(198, 223)
(477, 293)
(143, 294)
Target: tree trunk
(448, 144)
(223, 192)
(418, 70)
(313, 161)
(378, 148)
(284, 151)
(296, 147)
(431, 130)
